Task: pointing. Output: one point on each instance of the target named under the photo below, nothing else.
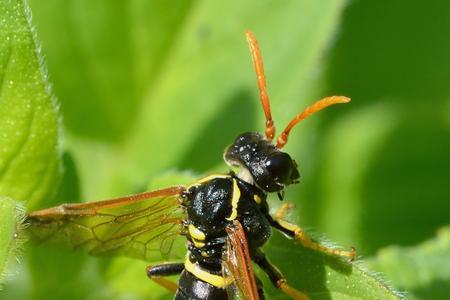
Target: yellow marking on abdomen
(234, 201)
(257, 198)
(196, 233)
(198, 244)
(204, 275)
(198, 237)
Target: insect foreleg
(276, 277)
(294, 231)
(283, 210)
(156, 272)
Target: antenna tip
(249, 35)
(342, 99)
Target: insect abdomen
(190, 287)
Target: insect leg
(276, 277)
(156, 272)
(283, 210)
(296, 232)
(259, 286)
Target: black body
(190, 288)
(212, 205)
(226, 219)
(210, 210)
(214, 202)
(271, 168)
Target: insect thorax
(212, 205)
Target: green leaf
(366, 175)
(200, 97)
(203, 52)
(377, 202)
(198, 79)
(103, 55)
(11, 218)
(423, 270)
(323, 277)
(29, 155)
(124, 275)
(352, 141)
(45, 259)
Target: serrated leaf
(208, 106)
(321, 277)
(324, 277)
(29, 154)
(423, 270)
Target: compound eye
(280, 166)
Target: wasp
(225, 218)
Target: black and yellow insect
(224, 217)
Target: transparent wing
(144, 226)
(237, 265)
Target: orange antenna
(319, 105)
(261, 79)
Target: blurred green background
(146, 87)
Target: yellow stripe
(257, 199)
(204, 275)
(234, 200)
(208, 178)
(198, 244)
(196, 233)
